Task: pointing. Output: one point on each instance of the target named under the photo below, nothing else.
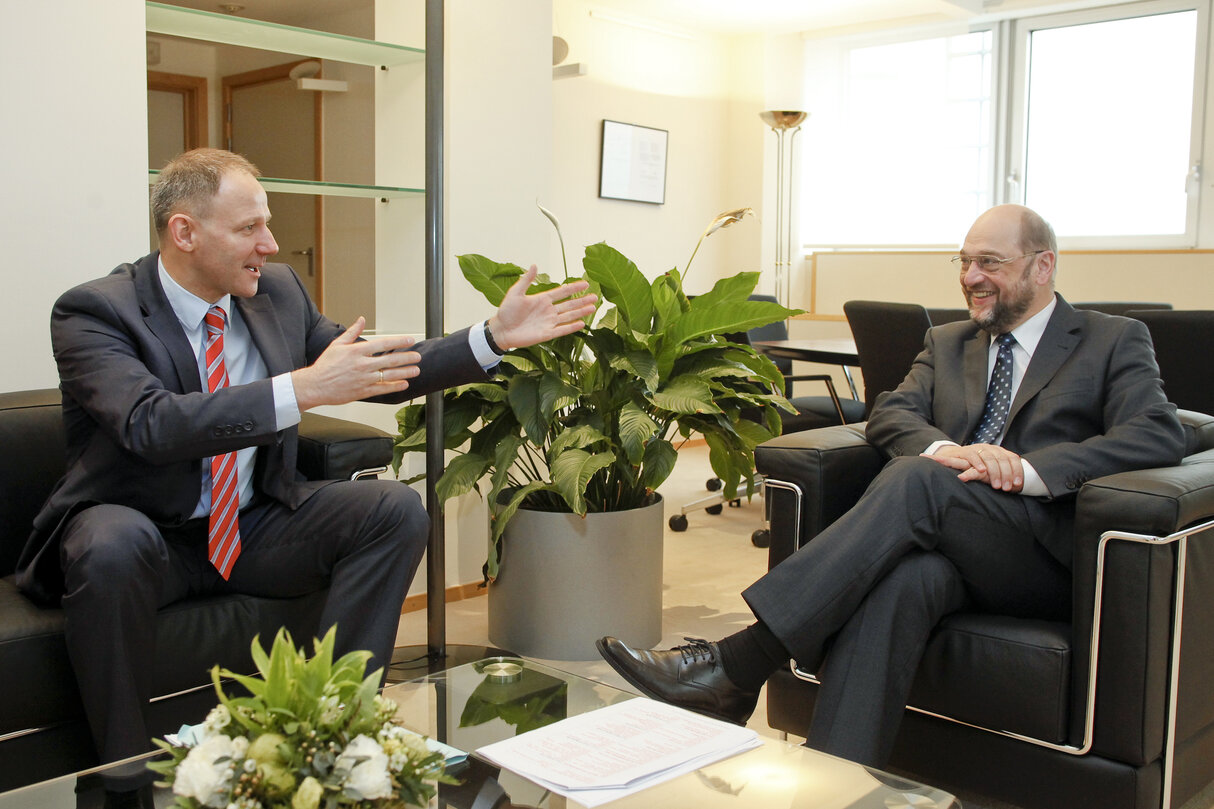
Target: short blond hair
(191, 180)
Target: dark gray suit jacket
(138, 419)
(1091, 404)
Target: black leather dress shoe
(690, 677)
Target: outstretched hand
(350, 369)
(524, 320)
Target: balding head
(1020, 247)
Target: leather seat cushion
(1000, 673)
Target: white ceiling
(716, 16)
(784, 16)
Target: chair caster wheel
(714, 509)
(761, 538)
(678, 522)
(713, 484)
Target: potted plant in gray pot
(575, 435)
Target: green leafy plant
(588, 422)
(309, 733)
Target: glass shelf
(327, 189)
(194, 24)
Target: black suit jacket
(138, 419)
(1091, 404)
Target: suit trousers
(858, 603)
(361, 539)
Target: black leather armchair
(43, 732)
(1016, 709)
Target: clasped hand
(988, 463)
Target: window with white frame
(1107, 140)
(1093, 118)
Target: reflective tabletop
(476, 704)
(473, 705)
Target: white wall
(687, 86)
(74, 174)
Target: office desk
(839, 351)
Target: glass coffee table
(476, 704)
(470, 706)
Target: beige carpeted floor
(706, 568)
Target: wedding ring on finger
(381, 376)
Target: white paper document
(614, 751)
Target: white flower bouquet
(311, 733)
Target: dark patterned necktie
(223, 529)
(998, 394)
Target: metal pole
(788, 220)
(780, 217)
(436, 556)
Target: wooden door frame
(270, 75)
(193, 90)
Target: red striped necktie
(223, 530)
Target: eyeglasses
(987, 263)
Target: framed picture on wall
(633, 164)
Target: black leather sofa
(1000, 705)
(43, 732)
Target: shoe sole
(611, 661)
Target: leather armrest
(832, 466)
(1198, 431)
(1137, 597)
(334, 449)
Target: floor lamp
(780, 122)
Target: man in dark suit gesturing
(996, 427)
(183, 378)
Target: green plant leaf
(526, 402)
(734, 289)
(579, 437)
(489, 277)
(505, 454)
(729, 465)
(461, 476)
(657, 464)
(571, 472)
(669, 302)
(640, 364)
(636, 430)
(621, 283)
(686, 394)
(498, 426)
(728, 317)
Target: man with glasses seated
(1000, 421)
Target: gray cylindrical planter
(566, 581)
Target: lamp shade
(783, 119)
